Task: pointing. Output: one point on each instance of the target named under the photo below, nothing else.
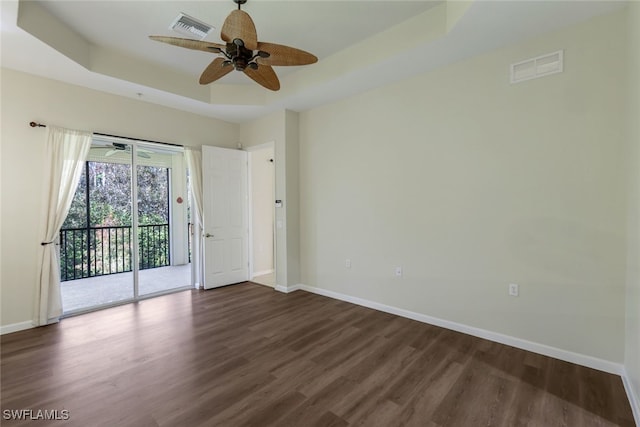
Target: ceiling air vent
(190, 26)
(543, 65)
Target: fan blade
(284, 55)
(265, 76)
(239, 25)
(190, 44)
(214, 71)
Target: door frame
(272, 145)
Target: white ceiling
(360, 44)
(321, 27)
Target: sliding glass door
(124, 237)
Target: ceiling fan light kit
(243, 52)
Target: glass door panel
(160, 243)
(96, 239)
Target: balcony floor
(83, 294)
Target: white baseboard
(568, 356)
(15, 327)
(288, 289)
(632, 394)
(262, 273)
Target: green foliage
(110, 196)
(77, 216)
(153, 195)
(90, 251)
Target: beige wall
(470, 183)
(632, 354)
(26, 98)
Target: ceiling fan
(243, 52)
(127, 148)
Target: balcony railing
(99, 251)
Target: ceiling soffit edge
(418, 30)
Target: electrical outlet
(513, 289)
(347, 263)
(399, 271)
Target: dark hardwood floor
(247, 355)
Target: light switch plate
(513, 289)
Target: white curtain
(65, 151)
(194, 164)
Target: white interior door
(225, 194)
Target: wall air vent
(540, 66)
(190, 26)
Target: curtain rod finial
(39, 125)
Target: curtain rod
(40, 125)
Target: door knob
(208, 235)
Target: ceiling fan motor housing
(241, 57)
